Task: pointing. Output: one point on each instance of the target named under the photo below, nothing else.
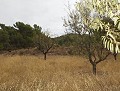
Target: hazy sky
(45, 13)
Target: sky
(46, 13)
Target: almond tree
(86, 21)
(44, 43)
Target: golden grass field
(57, 73)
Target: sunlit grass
(57, 73)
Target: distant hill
(67, 39)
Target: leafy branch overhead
(101, 9)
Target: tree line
(22, 35)
(19, 35)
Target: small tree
(44, 43)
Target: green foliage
(27, 33)
(18, 36)
(66, 40)
(4, 40)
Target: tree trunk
(115, 56)
(94, 68)
(45, 56)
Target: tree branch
(102, 59)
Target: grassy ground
(57, 73)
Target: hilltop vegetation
(18, 36)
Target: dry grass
(58, 73)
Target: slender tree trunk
(45, 54)
(115, 56)
(94, 68)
